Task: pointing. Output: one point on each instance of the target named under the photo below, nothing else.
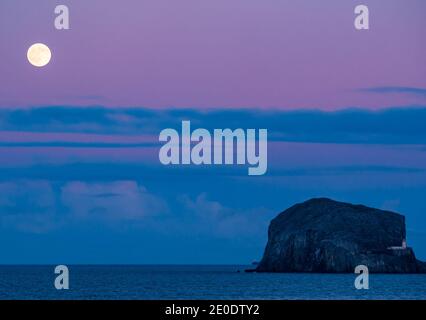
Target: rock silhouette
(323, 235)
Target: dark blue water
(198, 282)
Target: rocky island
(323, 235)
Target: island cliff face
(322, 235)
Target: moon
(39, 54)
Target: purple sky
(222, 53)
(89, 178)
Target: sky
(80, 179)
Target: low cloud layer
(116, 200)
(396, 90)
(403, 125)
(215, 218)
(41, 206)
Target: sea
(200, 282)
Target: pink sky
(221, 53)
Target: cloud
(396, 90)
(404, 125)
(213, 217)
(40, 206)
(57, 144)
(116, 200)
(28, 206)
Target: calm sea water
(198, 282)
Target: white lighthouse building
(402, 247)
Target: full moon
(39, 55)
